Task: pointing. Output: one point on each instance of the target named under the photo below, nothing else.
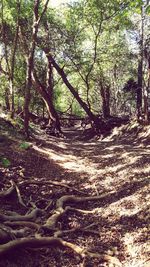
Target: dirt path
(121, 167)
(118, 167)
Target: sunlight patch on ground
(69, 162)
(132, 160)
(113, 169)
(97, 171)
(133, 251)
(54, 156)
(145, 169)
(114, 147)
(127, 206)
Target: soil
(118, 166)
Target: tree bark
(105, 94)
(47, 98)
(52, 112)
(11, 80)
(146, 93)
(140, 68)
(139, 88)
(30, 62)
(98, 123)
(7, 103)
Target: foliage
(5, 162)
(91, 40)
(24, 146)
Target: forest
(74, 133)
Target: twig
(19, 195)
(51, 183)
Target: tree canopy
(74, 133)
(99, 46)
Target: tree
(30, 60)
(10, 48)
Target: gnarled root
(17, 217)
(37, 243)
(52, 241)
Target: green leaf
(25, 146)
(147, 10)
(5, 162)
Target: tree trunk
(30, 62)
(98, 123)
(140, 67)
(12, 106)
(105, 94)
(146, 93)
(139, 88)
(43, 110)
(27, 93)
(7, 103)
(47, 98)
(52, 112)
(15, 42)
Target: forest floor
(116, 169)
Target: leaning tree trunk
(98, 123)
(47, 100)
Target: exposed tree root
(23, 223)
(74, 199)
(60, 210)
(50, 183)
(82, 211)
(11, 239)
(52, 241)
(8, 192)
(28, 217)
(19, 195)
(38, 242)
(75, 230)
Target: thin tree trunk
(52, 111)
(43, 110)
(7, 103)
(11, 64)
(47, 100)
(140, 68)
(139, 88)
(15, 42)
(105, 94)
(146, 93)
(30, 62)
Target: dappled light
(74, 133)
(106, 183)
